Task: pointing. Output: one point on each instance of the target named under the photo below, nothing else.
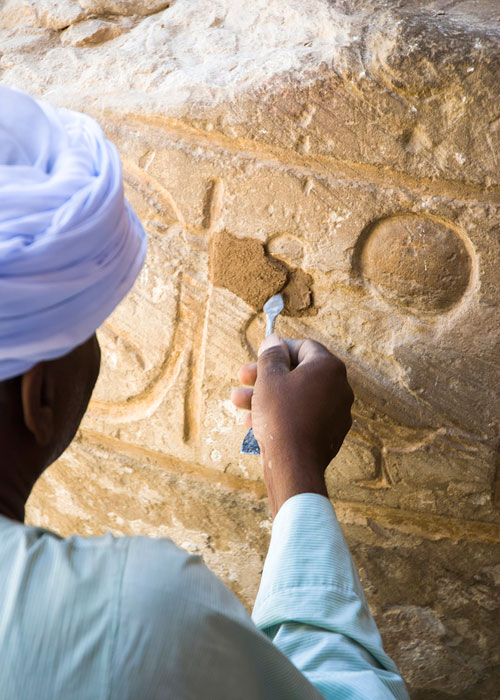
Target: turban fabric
(71, 246)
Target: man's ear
(37, 394)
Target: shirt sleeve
(312, 606)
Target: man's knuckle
(270, 355)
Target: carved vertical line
(495, 491)
(214, 206)
(193, 404)
(188, 419)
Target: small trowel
(272, 308)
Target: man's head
(40, 412)
(51, 398)
(70, 250)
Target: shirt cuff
(309, 576)
(307, 550)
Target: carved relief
(184, 308)
(400, 273)
(416, 262)
(376, 185)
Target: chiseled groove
(188, 418)
(193, 408)
(193, 402)
(156, 188)
(161, 461)
(144, 404)
(322, 164)
(495, 491)
(426, 525)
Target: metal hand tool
(272, 308)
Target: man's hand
(300, 403)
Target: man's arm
(310, 602)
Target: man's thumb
(274, 357)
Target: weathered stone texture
(92, 31)
(359, 142)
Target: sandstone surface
(356, 143)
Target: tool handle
(250, 446)
(270, 325)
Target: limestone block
(57, 14)
(347, 153)
(124, 7)
(52, 14)
(92, 31)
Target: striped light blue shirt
(133, 617)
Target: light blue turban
(71, 246)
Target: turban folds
(71, 246)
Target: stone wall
(348, 151)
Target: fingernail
(270, 342)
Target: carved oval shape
(416, 262)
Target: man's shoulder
(149, 577)
(137, 609)
(164, 570)
(75, 559)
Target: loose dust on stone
(243, 266)
(297, 294)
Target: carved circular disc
(415, 262)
